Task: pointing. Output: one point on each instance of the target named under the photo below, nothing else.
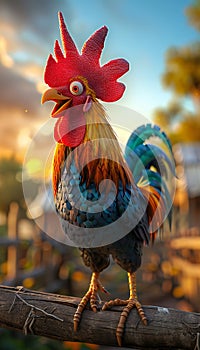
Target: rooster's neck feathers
(99, 157)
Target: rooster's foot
(128, 304)
(91, 296)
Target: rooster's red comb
(70, 64)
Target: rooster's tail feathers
(144, 132)
(152, 170)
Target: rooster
(88, 161)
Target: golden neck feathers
(99, 157)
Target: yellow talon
(91, 296)
(128, 306)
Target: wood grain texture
(51, 316)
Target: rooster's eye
(76, 88)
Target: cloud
(16, 92)
(27, 31)
(20, 110)
(4, 57)
(35, 22)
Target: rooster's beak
(62, 102)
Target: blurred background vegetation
(182, 78)
(171, 267)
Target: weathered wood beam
(51, 316)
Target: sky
(139, 31)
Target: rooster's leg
(129, 305)
(91, 296)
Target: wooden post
(12, 262)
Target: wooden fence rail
(51, 316)
(45, 257)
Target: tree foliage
(166, 117)
(10, 186)
(182, 77)
(193, 14)
(182, 73)
(189, 129)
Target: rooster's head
(77, 80)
